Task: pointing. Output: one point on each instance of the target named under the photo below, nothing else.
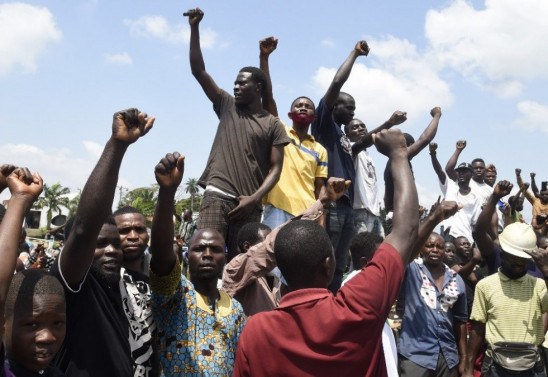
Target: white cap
(519, 240)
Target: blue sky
(66, 67)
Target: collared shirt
(511, 308)
(304, 161)
(313, 332)
(339, 150)
(195, 340)
(429, 315)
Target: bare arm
(452, 162)
(397, 117)
(96, 199)
(391, 143)
(461, 335)
(468, 268)
(343, 73)
(428, 134)
(477, 337)
(25, 189)
(319, 183)
(438, 213)
(481, 232)
(267, 46)
(534, 186)
(197, 64)
(528, 195)
(248, 203)
(169, 174)
(436, 163)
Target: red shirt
(315, 333)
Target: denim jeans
(274, 217)
(340, 227)
(365, 221)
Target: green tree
(54, 198)
(73, 204)
(192, 188)
(142, 198)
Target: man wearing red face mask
(304, 169)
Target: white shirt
(482, 190)
(461, 223)
(365, 187)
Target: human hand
(194, 16)
(442, 210)
(5, 170)
(334, 190)
(540, 256)
(432, 147)
(244, 209)
(268, 45)
(129, 125)
(169, 171)
(533, 175)
(518, 171)
(436, 111)
(362, 48)
(24, 184)
(461, 144)
(389, 141)
(502, 189)
(398, 117)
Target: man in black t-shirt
(96, 342)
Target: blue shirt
(339, 150)
(427, 325)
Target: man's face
(107, 259)
(343, 112)
(245, 89)
(490, 178)
(356, 130)
(187, 216)
(302, 111)
(463, 177)
(543, 196)
(133, 235)
(433, 250)
(33, 337)
(479, 171)
(512, 266)
(543, 243)
(463, 248)
(450, 253)
(206, 255)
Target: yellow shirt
(511, 308)
(303, 163)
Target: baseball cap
(519, 240)
(464, 165)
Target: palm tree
(54, 198)
(192, 188)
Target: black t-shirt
(96, 343)
(19, 371)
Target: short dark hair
(126, 210)
(257, 76)
(25, 285)
(364, 244)
(302, 97)
(300, 249)
(250, 233)
(477, 160)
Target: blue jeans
(365, 221)
(340, 227)
(274, 217)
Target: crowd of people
(289, 269)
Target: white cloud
(94, 149)
(158, 27)
(119, 59)
(328, 42)
(496, 47)
(394, 77)
(533, 116)
(26, 32)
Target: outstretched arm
(477, 337)
(391, 143)
(438, 213)
(267, 47)
(528, 195)
(452, 162)
(534, 186)
(197, 64)
(25, 188)
(428, 134)
(247, 203)
(436, 163)
(343, 73)
(481, 232)
(97, 196)
(169, 174)
(398, 117)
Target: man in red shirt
(316, 333)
